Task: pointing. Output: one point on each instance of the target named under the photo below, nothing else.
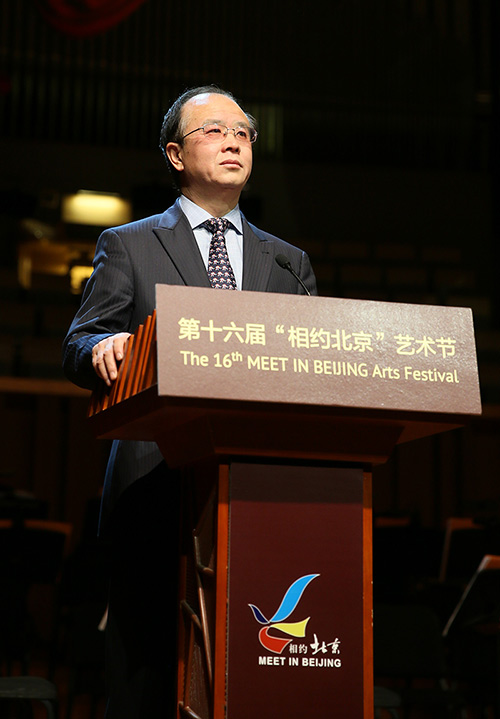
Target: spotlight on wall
(87, 207)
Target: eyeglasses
(216, 131)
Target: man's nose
(230, 142)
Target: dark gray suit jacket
(129, 261)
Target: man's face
(207, 164)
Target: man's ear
(174, 154)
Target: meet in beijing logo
(288, 604)
(271, 631)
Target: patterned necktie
(220, 272)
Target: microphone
(284, 262)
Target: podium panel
(295, 619)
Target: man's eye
(213, 130)
(242, 134)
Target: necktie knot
(219, 268)
(216, 224)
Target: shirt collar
(196, 215)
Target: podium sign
(316, 351)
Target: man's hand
(107, 353)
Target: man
(207, 141)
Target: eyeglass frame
(228, 129)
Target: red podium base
(281, 562)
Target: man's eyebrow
(240, 123)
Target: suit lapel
(257, 260)
(177, 238)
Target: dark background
(377, 153)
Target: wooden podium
(277, 407)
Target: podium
(276, 408)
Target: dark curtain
(86, 17)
